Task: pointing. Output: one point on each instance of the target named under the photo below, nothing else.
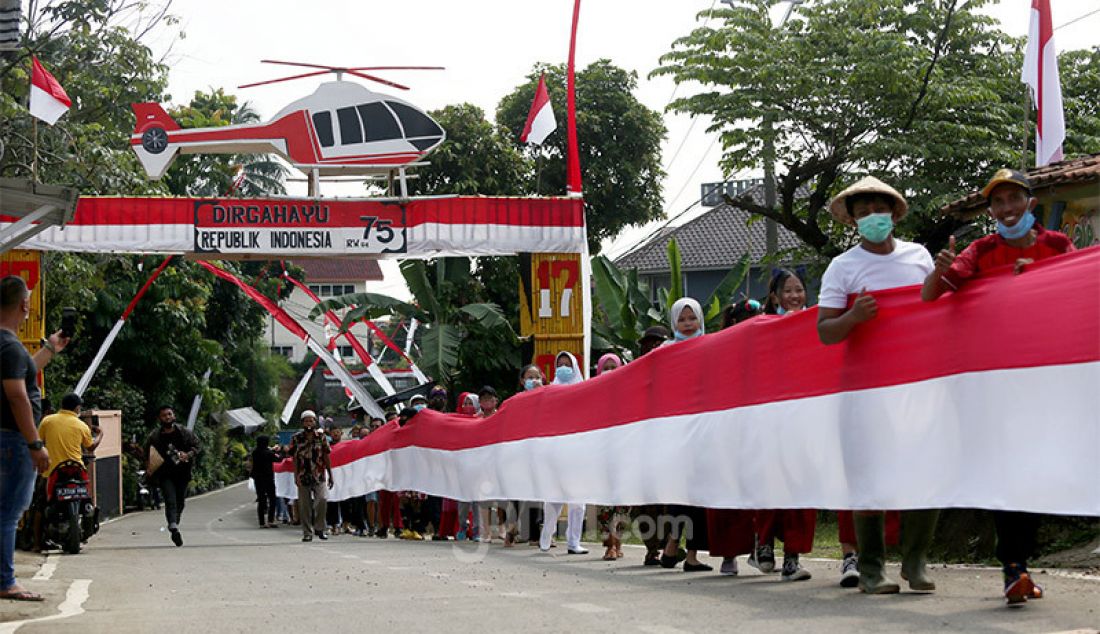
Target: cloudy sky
(488, 46)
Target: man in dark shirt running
(178, 447)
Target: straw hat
(866, 185)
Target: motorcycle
(71, 518)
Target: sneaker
(177, 539)
(460, 536)
(763, 559)
(729, 566)
(322, 536)
(307, 538)
(579, 550)
(849, 571)
(792, 570)
(1018, 585)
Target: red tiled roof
(340, 269)
(1074, 171)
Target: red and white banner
(86, 379)
(540, 120)
(417, 228)
(48, 100)
(986, 398)
(1041, 76)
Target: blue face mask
(419, 406)
(565, 373)
(876, 228)
(530, 384)
(1018, 230)
(678, 336)
(780, 311)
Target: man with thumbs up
(1019, 241)
(880, 261)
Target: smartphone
(68, 321)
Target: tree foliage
(476, 158)
(91, 48)
(924, 94)
(618, 137)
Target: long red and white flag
(1041, 76)
(48, 100)
(929, 405)
(540, 120)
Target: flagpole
(1027, 128)
(34, 146)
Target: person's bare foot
(19, 593)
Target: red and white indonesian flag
(540, 121)
(1041, 76)
(48, 99)
(986, 398)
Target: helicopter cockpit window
(379, 123)
(416, 123)
(350, 129)
(322, 123)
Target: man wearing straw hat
(880, 261)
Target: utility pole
(771, 227)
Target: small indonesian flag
(540, 121)
(48, 99)
(1041, 76)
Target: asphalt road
(233, 577)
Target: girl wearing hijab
(566, 372)
(686, 318)
(611, 518)
(468, 405)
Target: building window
(283, 351)
(347, 353)
(331, 290)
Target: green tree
(91, 48)
(922, 93)
(619, 140)
(476, 158)
(1080, 74)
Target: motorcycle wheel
(73, 534)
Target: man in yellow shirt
(65, 435)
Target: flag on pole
(48, 99)
(1041, 76)
(540, 121)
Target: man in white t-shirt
(878, 262)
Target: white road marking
(437, 575)
(586, 608)
(478, 584)
(46, 571)
(520, 595)
(71, 606)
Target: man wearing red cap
(1019, 241)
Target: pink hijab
(604, 359)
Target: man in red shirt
(1018, 242)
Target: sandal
(22, 595)
(609, 555)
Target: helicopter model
(342, 128)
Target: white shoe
(729, 566)
(579, 550)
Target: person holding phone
(22, 452)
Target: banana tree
(623, 308)
(439, 304)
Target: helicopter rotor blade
(275, 81)
(397, 68)
(302, 64)
(377, 79)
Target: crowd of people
(678, 534)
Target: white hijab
(677, 308)
(577, 376)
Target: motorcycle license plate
(74, 492)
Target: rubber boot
(871, 537)
(917, 529)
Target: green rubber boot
(871, 536)
(917, 528)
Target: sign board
(551, 308)
(28, 265)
